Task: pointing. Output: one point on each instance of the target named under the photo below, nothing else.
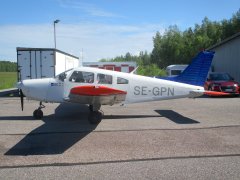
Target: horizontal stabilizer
(216, 93)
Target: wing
(96, 95)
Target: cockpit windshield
(63, 75)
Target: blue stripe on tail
(196, 73)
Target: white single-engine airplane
(96, 87)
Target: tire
(210, 88)
(95, 117)
(38, 114)
(90, 108)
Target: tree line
(7, 66)
(179, 47)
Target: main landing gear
(38, 113)
(95, 115)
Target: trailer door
(24, 65)
(33, 67)
(48, 64)
(38, 64)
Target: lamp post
(54, 24)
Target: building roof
(224, 41)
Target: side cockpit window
(104, 79)
(122, 81)
(82, 77)
(63, 75)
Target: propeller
(22, 99)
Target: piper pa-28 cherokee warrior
(96, 87)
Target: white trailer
(36, 63)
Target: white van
(175, 69)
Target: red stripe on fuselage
(96, 91)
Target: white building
(114, 66)
(227, 56)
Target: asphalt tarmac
(174, 139)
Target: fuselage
(138, 88)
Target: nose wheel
(95, 115)
(38, 113)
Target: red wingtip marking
(96, 91)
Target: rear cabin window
(104, 79)
(122, 81)
(82, 77)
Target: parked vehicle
(221, 82)
(175, 69)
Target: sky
(96, 29)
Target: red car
(221, 84)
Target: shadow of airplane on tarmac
(129, 117)
(67, 126)
(176, 117)
(59, 132)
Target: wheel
(210, 88)
(95, 117)
(90, 107)
(38, 114)
(94, 107)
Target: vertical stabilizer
(196, 73)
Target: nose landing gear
(38, 113)
(95, 115)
